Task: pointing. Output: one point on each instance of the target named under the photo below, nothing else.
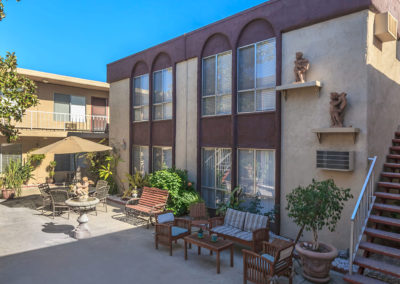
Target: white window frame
(133, 98)
(163, 148)
(225, 191)
(146, 148)
(255, 89)
(255, 170)
(216, 94)
(164, 102)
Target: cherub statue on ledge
(337, 106)
(301, 66)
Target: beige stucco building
(67, 106)
(259, 131)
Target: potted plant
(200, 234)
(51, 169)
(135, 192)
(314, 207)
(12, 180)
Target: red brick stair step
(396, 140)
(361, 279)
(392, 165)
(378, 266)
(387, 207)
(397, 133)
(393, 156)
(392, 185)
(386, 195)
(380, 249)
(390, 175)
(382, 234)
(395, 148)
(384, 220)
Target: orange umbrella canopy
(71, 145)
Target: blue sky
(79, 37)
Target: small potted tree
(12, 180)
(51, 169)
(314, 207)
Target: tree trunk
(315, 243)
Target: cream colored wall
(46, 93)
(119, 126)
(383, 94)
(336, 50)
(186, 117)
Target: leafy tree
(17, 93)
(2, 14)
(316, 206)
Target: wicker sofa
(242, 227)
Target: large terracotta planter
(316, 265)
(8, 193)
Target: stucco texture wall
(46, 93)
(186, 113)
(336, 50)
(119, 126)
(383, 94)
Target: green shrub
(181, 192)
(317, 206)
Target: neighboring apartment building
(67, 106)
(208, 102)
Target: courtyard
(36, 248)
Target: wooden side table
(206, 243)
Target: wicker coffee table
(206, 243)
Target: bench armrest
(132, 201)
(215, 222)
(163, 229)
(183, 223)
(259, 236)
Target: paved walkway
(34, 248)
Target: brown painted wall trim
(298, 13)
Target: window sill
(256, 112)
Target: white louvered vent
(385, 27)
(335, 160)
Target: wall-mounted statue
(337, 107)
(301, 66)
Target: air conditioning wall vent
(335, 160)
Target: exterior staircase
(382, 234)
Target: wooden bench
(152, 202)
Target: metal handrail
(361, 213)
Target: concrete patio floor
(38, 249)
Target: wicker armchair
(171, 230)
(102, 193)
(275, 260)
(44, 194)
(58, 198)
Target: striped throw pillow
(254, 222)
(234, 218)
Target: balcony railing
(36, 120)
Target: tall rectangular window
(256, 77)
(217, 84)
(162, 94)
(215, 175)
(141, 98)
(8, 153)
(256, 172)
(162, 158)
(140, 159)
(69, 108)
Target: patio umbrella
(72, 145)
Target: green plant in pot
(314, 207)
(51, 170)
(12, 180)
